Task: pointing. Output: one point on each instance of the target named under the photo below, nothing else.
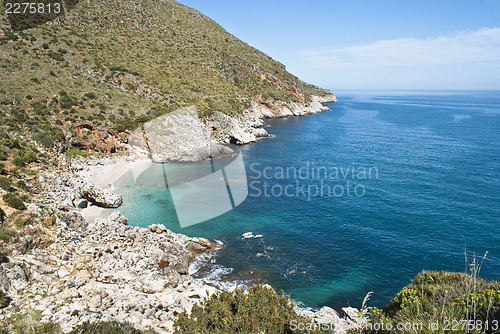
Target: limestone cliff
(183, 136)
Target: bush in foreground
(30, 323)
(458, 301)
(260, 310)
(106, 327)
(14, 202)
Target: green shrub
(48, 137)
(30, 156)
(442, 297)
(39, 107)
(56, 56)
(30, 322)
(5, 183)
(20, 222)
(259, 311)
(142, 119)
(6, 234)
(14, 202)
(10, 35)
(2, 215)
(74, 152)
(105, 327)
(90, 96)
(12, 143)
(66, 101)
(18, 161)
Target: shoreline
(104, 173)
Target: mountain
(89, 77)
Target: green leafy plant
(5, 183)
(4, 299)
(441, 298)
(30, 322)
(13, 201)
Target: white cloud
(481, 47)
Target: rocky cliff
(183, 136)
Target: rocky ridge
(108, 271)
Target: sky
(385, 44)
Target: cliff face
(165, 138)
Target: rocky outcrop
(177, 136)
(272, 108)
(100, 197)
(230, 130)
(182, 136)
(328, 318)
(248, 127)
(99, 270)
(68, 191)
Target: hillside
(114, 64)
(80, 85)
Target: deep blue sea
(361, 198)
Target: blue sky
(384, 44)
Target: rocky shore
(100, 270)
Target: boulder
(81, 203)
(101, 197)
(73, 219)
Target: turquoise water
(426, 185)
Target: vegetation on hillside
(441, 302)
(84, 81)
(88, 78)
(260, 310)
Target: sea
(357, 199)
